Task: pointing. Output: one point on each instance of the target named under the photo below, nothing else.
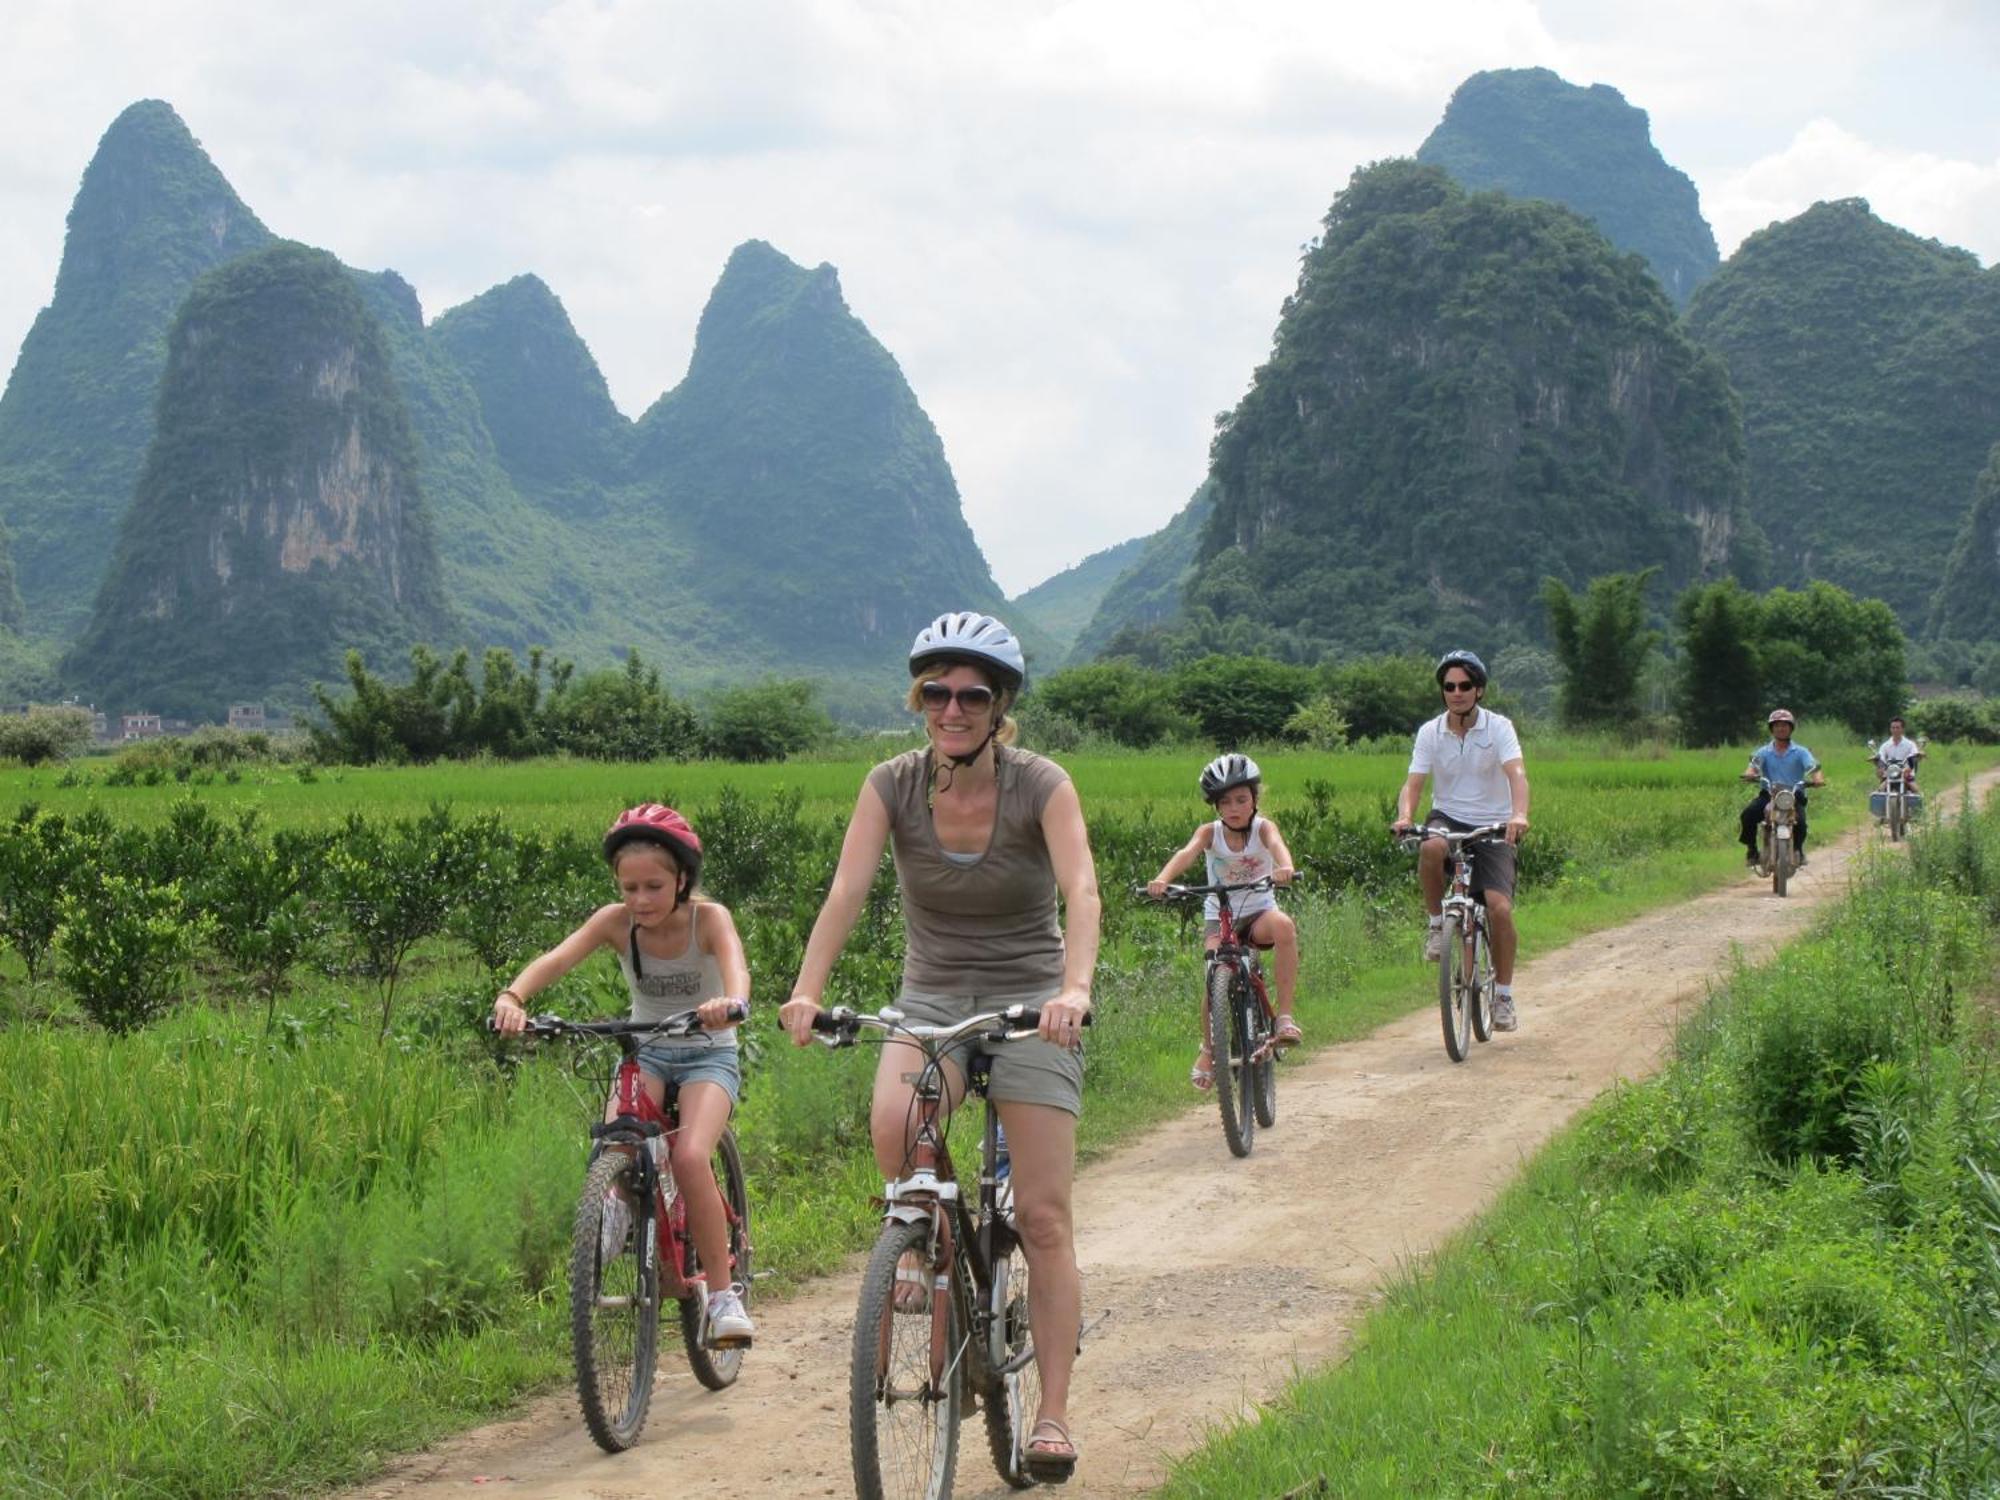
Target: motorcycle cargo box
(1878, 804)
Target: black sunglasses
(976, 698)
(1460, 687)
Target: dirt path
(1383, 1148)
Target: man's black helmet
(1466, 659)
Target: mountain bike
(1465, 962)
(918, 1360)
(1897, 799)
(1238, 1021)
(1777, 849)
(630, 1245)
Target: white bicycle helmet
(1226, 771)
(965, 635)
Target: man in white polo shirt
(1474, 758)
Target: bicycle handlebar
(683, 1023)
(842, 1026)
(1414, 839)
(1184, 892)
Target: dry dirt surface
(1215, 1278)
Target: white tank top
(1227, 866)
(663, 987)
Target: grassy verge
(1771, 1271)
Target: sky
(1073, 224)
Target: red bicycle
(630, 1245)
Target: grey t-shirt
(986, 926)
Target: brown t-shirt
(986, 927)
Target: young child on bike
(1240, 846)
(679, 951)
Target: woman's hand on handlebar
(1062, 1018)
(510, 1016)
(796, 1016)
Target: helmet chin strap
(958, 762)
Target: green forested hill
(151, 215)
(1868, 361)
(1467, 392)
(1062, 605)
(543, 399)
(278, 518)
(1149, 591)
(810, 487)
(1530, 134)
(1967, 606)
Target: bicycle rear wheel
(718, 1368)
(1452, 1009)
(903, 1429)
(614, 1302)
(1230, 1061)
(1481, 979)
(1017, 1383)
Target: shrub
(768, 720)
(44, 734)
(123, 948)
(1236, 699)
(624, 714)
(1957, 720)
(1383, 695)
(38, 857)
(1117, 699)
(1320, 725)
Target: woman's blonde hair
(1003, 699)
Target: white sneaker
(615, 1227)
(1434, 943)
(729, 1324)
(1503, 1013)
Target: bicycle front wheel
(1452, 978)
(614, 1302)
(718, 1368)
(1230, 1061)
(902, 1412)
(1016, 1392)
(1896, 820)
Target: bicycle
(912, 1369)
(1238, 1021)
(630, 1245)
(1465, 961)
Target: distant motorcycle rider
(1781, 763)
(1897, 750)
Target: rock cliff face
(151, 215)
(809, 484)
(1868, 361)
(278, 519)
(1466, 393)
(1529, 134)
(1967, 606)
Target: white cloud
(1072, 221)
(1955, 201)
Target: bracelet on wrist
(510, 995)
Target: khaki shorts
(1030, 1071)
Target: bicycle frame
(1248, 960)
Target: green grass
(261, 1263)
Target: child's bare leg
(1282, 933)
(1205, 1059)
(704, 1113)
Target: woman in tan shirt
(984, 836)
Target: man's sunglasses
(975, 698)
(1465, 686)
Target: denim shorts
(1030, 1071)
(679, 1066)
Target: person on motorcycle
(1781, 763)
(1896, 749)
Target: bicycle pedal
(741, 1342)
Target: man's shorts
(1493, 860)
(1030, 1071)
(677, 1067)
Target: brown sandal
(1051, 1458)
(1288, 1033)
